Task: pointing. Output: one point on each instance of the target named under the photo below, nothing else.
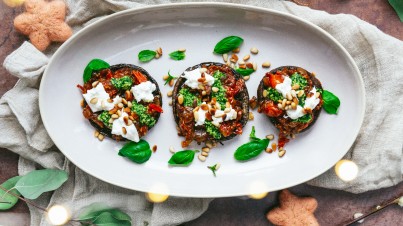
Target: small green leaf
(93, 65)
(331, 102)
(251, 149)
(182, 158)
(227, 44)
(7, 199)
(398, 6)
(35, 183)
(177, 55)
(108, 219)
(170, 77)
(146, 55)
(213, 169)
(252, 134)
(137, 152)
(101, 214)
(245, 72)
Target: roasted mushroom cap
(288, 127)
(103, 74)
(200, 133)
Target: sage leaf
(146, 55)
(7, 199)
(245, 72)
(101, 214)
(182, 158)
(35, 183)
(177, 55)
(398, 6)
(137, 152)
(251, 149)
(227, 44)
(93, 65)
(331, 102)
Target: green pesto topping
(274, 95)
(212, 130)
(142, 112)
(221, 94)
(304, 119)
(123, 83)
(301, 100)
(297, 78)
(188, 97)
(105, 117)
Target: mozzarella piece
(102, 99)
(144, 91)
(193, 76)
(131, 131)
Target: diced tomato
(282, 141)
(154, 107)
(139, 76)
(275, 79)
(83, 90)
(271, 109)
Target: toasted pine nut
(289, 97)
(217, 166)
(129, 123)
(251, 116)
(94, 100)
(82, 102)
(227, 105)
(293, 136)
(254, 66)
(284, 102)
(129, 104)
(295, 100)
(214, 89)
(293, 93)
(241, 62)
(124, 131)
(205, 154)
(115, 116)
(254, 50)
(243, 66)
(317, 95)
(281, 153)
(171, 83)
(201, 158)
(209, 144)
(120, 105)
(269, 150)
(96, 133)
(236, 50)
(180, 99)
(159, 51)
(94, 84)
(225, 57)
(295, 86)
(119, 113)
(204, 93)
(126, 120)
(293, 106)
(169, 94)
(124, 101)
(110, 120)
(165, 77)
(113, 111)
(246, 78)
(288, 102)
(247, 57)
(101, 137)
(266, 64)
(279, 105)
(206, 149)
(170, 103)
(196, 115)
(249, 65)
(157, 55)
(300, 93)
(274, 146)
(270, 136)
(182, 50)
(234, 58)
(172, 150)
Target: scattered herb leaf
(182, 158)
(139, 152)
(252, 134)
(146, 55)
(227, 44)
(177, 55)
(213, 169)
(170, 77)
(245, 72)
(93, 65)
(8, 200)
(251, 149)
(331, 102)
(35, 183)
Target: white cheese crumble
(144, 91)
(284, 87)
(193, 76)
(131, 131)
(310, 102)
(202, 116)
(101, 96)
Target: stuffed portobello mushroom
(122, 102)
(291, 97)
(210, 103)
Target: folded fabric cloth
(377, 150)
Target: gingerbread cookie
(43, 22)
(293, 211)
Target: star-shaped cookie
(43, 22)
(293, 211)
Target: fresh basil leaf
(146, 55)
(101, 214)
(331, 102)
(35, 183)
(182, 158)
(227, 44)
(252, 134)
(137, 152)
(170, 77)
(8, 200)
(93, 65)
(213, 169)
(245, 72)
(398, 6)
(177, 55)
(251, 150)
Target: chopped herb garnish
(297, 78)
(214, 168)
(146, 55)
(123, 83)
(170, 77)
(304, 119)
(177, 55)
(274, 95)
(301, 100)
(188, 97)
(212, 130)
(142, 112)
(221, 94)
(104, 117)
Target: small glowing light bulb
(257, 190)
(58, 215)
(258, 196)
(156, 198)
(13, 3)
(346, 170)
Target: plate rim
(226, 6)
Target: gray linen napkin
(377, 150)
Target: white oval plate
(281, 38)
